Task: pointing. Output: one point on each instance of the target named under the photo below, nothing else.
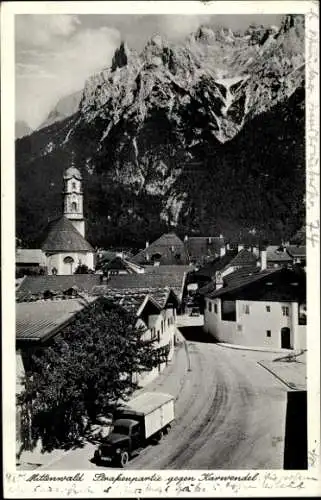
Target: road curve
(230, 414)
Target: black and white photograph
(165, 239)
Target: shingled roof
(275, 253)
(35, 286)
(169, 247)
(131, 299)
(33, 256)
(297, 251)
(243, 258)
(152, 280)
(62, 236)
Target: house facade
(265, 309)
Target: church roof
(72, 172)
(62, 236)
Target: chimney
(185, 237)
(263, 260)
(218, 280)
(147, 244)
(221, 236)
(222, 251)
(239, 247)
(228, 246)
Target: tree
(82, 269)
(84, 372)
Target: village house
(173, 277)
(265, 308)
(156, 310)
(169, 249)
(30, 259)
(60, 286)
(201, 249)
(277, 256)
(297, 254)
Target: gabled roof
(216, 265)
(231, 278)
(170, 248)
(271, 284)
(35, 286)
(152, 280)
(132, 299)
(296, 250)
(62, 236)
(37, 321)
(243, 258)
(30, 256)
(275, 253)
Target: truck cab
(124, 439)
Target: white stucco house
(259, 308)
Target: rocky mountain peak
(121, 57)
(205, 35)
(183, 132)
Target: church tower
(73, 198)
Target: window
(210, 306)
(74, 206)
(285, 311)
(246, 309)
(215, 308)
(268, 308)
(168, 322)
(158, 335)
(268, 333)
(153, 333)
(162, 326)
(228, 310)
(68, 260)
(73, 185)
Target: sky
(56, 53)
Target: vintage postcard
(160, 249)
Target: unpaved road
(230, 414)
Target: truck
(143, 420)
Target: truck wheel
(97, 457)
(124, 458)
(159, 436)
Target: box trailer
(145, 418)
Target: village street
(230, 413)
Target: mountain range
(205, 136)
(22, 129)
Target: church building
(65, 245)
